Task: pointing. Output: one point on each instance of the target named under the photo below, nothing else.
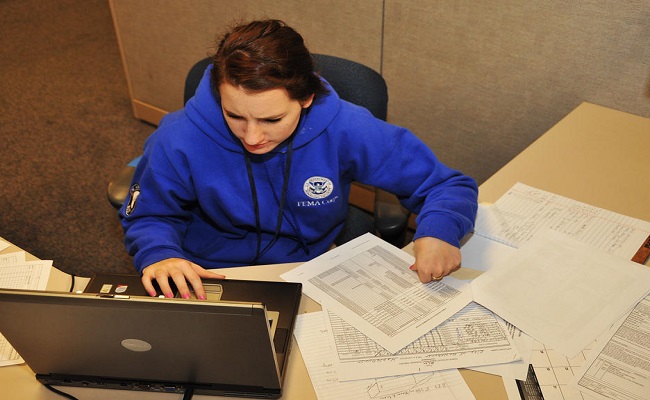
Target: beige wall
(477, 81)
(161, 39)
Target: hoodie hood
(204, 110)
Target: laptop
(115, 336)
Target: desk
(595, 155)
(18, 382)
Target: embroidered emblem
(134, 193)
(318, 187)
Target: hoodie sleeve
(156, 214)
(394, 159)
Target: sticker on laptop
(121, 288)
(106, 288)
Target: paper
(30, 275)
(8, 356)
(562, 292)
(311, 335)
(514, 219)
(473, 336)
(481, 253)
(554, 372)
(516, 369)
(11, 259)
(619, 368)
(522, 211)
(16, 273)
(368, 283)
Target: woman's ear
(306, 103)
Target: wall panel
(161, 39)
(479, 81)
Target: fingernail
(412, 267)
(186, 296)
(152, 294)
(168, 295)
(201, 297)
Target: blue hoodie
(192, 197)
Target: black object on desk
(530, 389)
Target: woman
(256, 169)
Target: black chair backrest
(353, 82)
(194, 77)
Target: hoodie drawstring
(291, 218)
(285, 185)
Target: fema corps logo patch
(318, 187)
(134, 193)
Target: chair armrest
(118, 188)
(391, 218)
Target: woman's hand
(181, 271)
(434, 258)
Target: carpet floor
(66, 127)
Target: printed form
(554, 372)
(515, 218)
(16, 273)
(522, 211)
(311, 333)
(516, 369)
(368, 283)
(473, 336)
(619, 368)
(562, 292)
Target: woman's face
(261, 120)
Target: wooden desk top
(595, 155)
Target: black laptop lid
(281, 297)
(214, 345)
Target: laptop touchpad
(213, 292)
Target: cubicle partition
(477, 81)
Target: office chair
(353, 82)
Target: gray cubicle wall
(480, 80)
(477, 81)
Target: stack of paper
(518, 217)
(17, 273)
(556, 270)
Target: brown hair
(264, 55)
